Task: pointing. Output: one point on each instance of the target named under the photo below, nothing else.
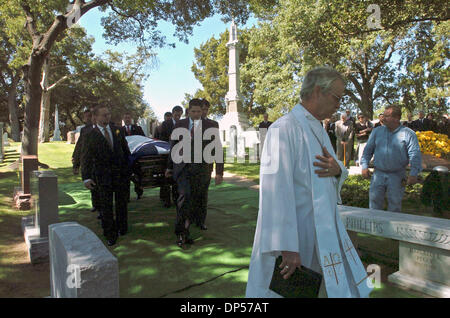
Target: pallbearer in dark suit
(157, 135)
(130, 129)
(166, 130)
(219, 168)
(89, 122)
(105, 167)
(168, 125)
(189, 170)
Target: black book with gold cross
(303, 283)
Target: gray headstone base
(27, 221)
(421, 285)
(21, 201)
(37, 245)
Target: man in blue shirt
(393, 147)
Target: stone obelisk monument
(234, 122)
(56, 132)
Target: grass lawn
(150, 264)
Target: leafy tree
(299, 35)
(425, 60)
(47, 21)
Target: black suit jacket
(135, 130)
(77, 152)
(166, 130)
(101, 163)
(422, 126)
(219, 165)
(265, 125)
(178, 167)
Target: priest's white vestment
(298, 211)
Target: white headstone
(5, 139)
(143, 122)
(424, 243)
(80, 264)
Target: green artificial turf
(150, 263)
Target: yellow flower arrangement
(433, 144)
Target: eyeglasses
(338, 98)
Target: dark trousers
(203, 209)
(115, 195)
(192, 195)
(95, 199)
(165, 191)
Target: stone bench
(80, 264)
(424, 246)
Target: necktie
(192, 130)
(128, 131)
(108, 138)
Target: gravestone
(424, 246)
(71, 137)
(44, 190)
(144, 124)
(5, 139)
(22, 196)
(80, 264)
(241, 148)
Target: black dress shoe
(180, 240)
(99, 216)
(122, 233)
(188, 240)
(93, 209)
(203, 227)
(111, 242)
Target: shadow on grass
(150, 263)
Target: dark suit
(165, 131)
(264, 124)
(423, 124)
(77, 154)
(108, 168)
(134, 130)
(219, 171)
(192, 180)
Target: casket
(148, 161)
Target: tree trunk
(12, 106)
(44, 120)
(33, 94)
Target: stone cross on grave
(333, 264)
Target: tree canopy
(394, 52)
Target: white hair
(320, 76)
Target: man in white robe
(300, 179)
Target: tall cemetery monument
(234, 123)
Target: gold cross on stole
(349, 248)
(333, 265)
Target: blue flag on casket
(144, 146)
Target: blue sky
(172, 77)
